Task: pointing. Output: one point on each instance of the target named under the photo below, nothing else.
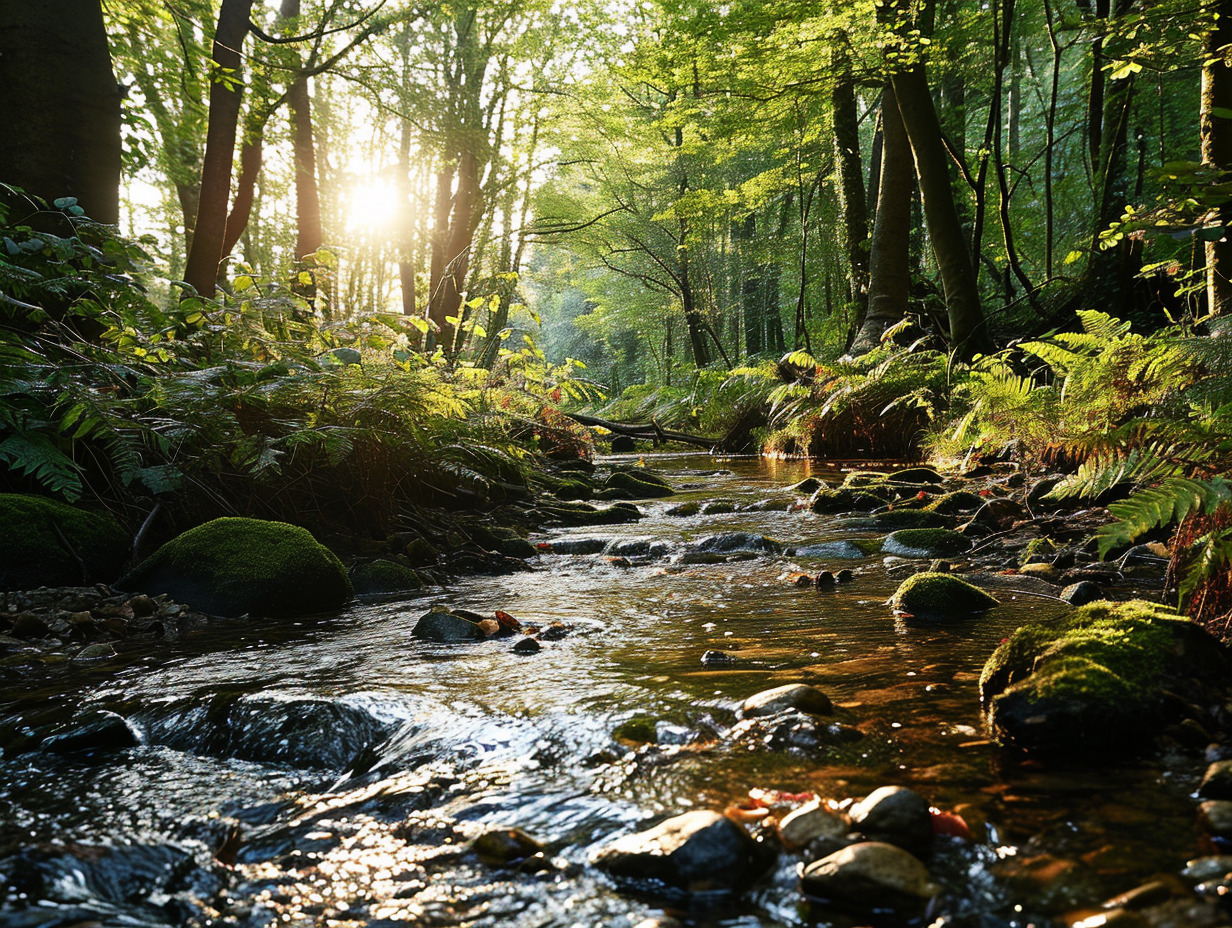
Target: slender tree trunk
(446, 299)
(60, 104)
(406, 215)
(889, 273)
(251, 158)
(852, 200)
(1217, 148)
(206, 252)
(440, 245)
(968, 332)
(1050, 122)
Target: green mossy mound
(911, 518)
(952, 504)
(925, 542)
(919, 476)
(383, 578)
(859, 479)
(939, 596)
(635, 483)
(235, 566)
(1107, 676)
(846, 500)
(48, 543)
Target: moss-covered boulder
(383, 578)
(925, 542)
(236, 566)
(635, 483)
(860, 479)
(827, 501)
(44, 542)
(1107, 676)
(939, 596)
(952, 504)
(918, 476)
(911, 518)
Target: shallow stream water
(332, 771)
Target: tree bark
(889, 273)
(60, 104)
(206, 252)
(852, 200)
(1217, 148)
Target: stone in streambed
(729, 542)
(498, 847)
(826, 501)
(1215, 816)
(41, 540)
(925, 542)
(895, 815)
(811, 824)
(1081, 593)
(638, 483)
(836, 550)
(440, 624)
(694, 852)
(911, 518)
(940, 596)
(870, 877)
(1217, 783)
(798, 696)
(93, 731)
(383, 578)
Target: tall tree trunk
(1050, 123)
(406, 215)
(251, 158)
(1217, 148)
(852, 200)
(447, 297)
(206, 252)
(889, 273)
(968, 331)
(440, 245)
(60, 104)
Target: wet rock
(1040, 489)
(808, 486)
(623, 444)
(440, 624)
(640, 483)
(1108, 676)
(770, 505)
(1215, 816)
(527, 646)
(577, 545)
(694, 852)
(920, 476)
(718, 507)
(383, 578)
(844, 576)
(1208, 868)
(641, 729)
(910, 519)
(925, 542)
(1141, 897)
(681, 510)
(499, 847)
(847, 500)
(662, 921)
(939, 596)
(870, 876)
(103, 651)
(583, 514)
(794, 732)
(236, 566)
(716, 658)
(49, 543)
(798, 696)
(999, 513)
(836, 550)
(729, 542)
(824, 580)
(812, 823)
(638, 547)
(1049, 884)
(895, 815)
(1217, 783)
(91, 732)
(1081, 593)
(28, 626)
(952, 504)
(1043, 571)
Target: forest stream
(333, 771)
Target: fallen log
(650, 431)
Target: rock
(870, 877)
(792, 731)
(836, 550)
(440, 624)
(1106, 677)
(1208, 868)
(847, 500)
(770, 505)
(895, 815)
(824, 580)
(808, 486)
(798, 696)
(638, 547)
(623, 444)
(718, 507)
(641, 729)
(1040, 489)
(939, 596)
(952, 504)
(812, 821)
(925, 542)
(43, 539)
(693, 852)
(1043, 571)
(102, 651)
(93, 731)
(577, 545)
(236, 566)
(502, 846)
(1141, 897)
(844, 576)
(142, 605)
(911, 518)
(640, 483)
(663, 921)
(527, 646)
(716, 658)
(1217, 783)
(27, 625)
(1215, 816)
(1081, 593)
(998, 513)
(921, 476)
(728, 542)
(681, 510)
(382, 578)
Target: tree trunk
(889, 273)
(440, 245)
(251, 158)
(1217, 149)
(60, 104)
(446, 300)
(968, 331)
(851, 198)
(206, 252)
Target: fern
(33, 454)
(1166, 504)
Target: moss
(639, 483)
(861, 479)
(934, 595)
(641, 729)
(380, 577)
(845, 500)
(926, 542)
(870, 546)
(951, 504)
(911, 518)
(42, 540)
(916, 475)
(236, 566)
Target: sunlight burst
(373, 206)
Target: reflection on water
(335, 773)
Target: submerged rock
(694, 852)
(870, 877)
(798, 696)
(236, 566)
(895, 815)
(1107, 676)
(939, 596)
(811, 825)
(925, 542)
(808, 486)
(729, 542)
(911, 519)
(48, 543)
(93, 731)
(441, 624)
(383, 578)
(837, 550)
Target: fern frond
(1099, 474)
(34, 454)
(1165, 504)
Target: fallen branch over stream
(651, 431)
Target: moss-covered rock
(847, 500)
(860, 479)
(1107, 676)
(635, 483)
(911, 518)
(919, 476)
(952, 504)
(925, 542)
(383, 578)
(939, 596)
(236, 566)
(44, 542)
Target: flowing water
(332, 771)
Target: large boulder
(939, 596)
(895, 815)
(925, 542)
(383, 578)
(635, 483)
(693, 852)
(44, 542)
(444, 625)
(235, 566)
(798, 696)
(870, 877)
(1107, 676)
